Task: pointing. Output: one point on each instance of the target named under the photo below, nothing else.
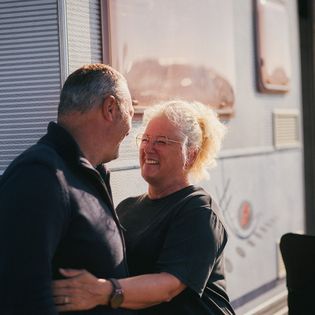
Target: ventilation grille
(286, 129)
(30, 73)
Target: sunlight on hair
(200, 125)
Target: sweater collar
(64, 144)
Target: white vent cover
(286, 128)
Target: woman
(174, 237)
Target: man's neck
(85, 134)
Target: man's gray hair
(88, 86)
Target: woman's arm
(82, 291)
(147, 290)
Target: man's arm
(32, 216)
(83, 291)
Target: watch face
(116, 300)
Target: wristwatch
(117, 296)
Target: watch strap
(117, 296)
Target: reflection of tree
(125, 57)
(149, 82)
(278, 77)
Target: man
(56, 206)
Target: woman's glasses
(158, 141)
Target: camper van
(252, 61)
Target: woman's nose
(149, 147)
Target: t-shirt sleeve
(32, 219)
(194, 240)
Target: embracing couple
(65, 248)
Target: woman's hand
(81, 291)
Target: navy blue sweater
(56, 211)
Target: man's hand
(81, 291)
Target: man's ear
(109, 108)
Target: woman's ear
(191, 157)
(109, 108)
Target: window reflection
(178, 48)
(273, 46)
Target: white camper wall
(258, 185)
(251, 169)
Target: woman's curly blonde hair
(199, 125)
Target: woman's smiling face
(162, 161)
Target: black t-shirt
(179, 234)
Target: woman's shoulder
(198, 200)
(197, 197)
